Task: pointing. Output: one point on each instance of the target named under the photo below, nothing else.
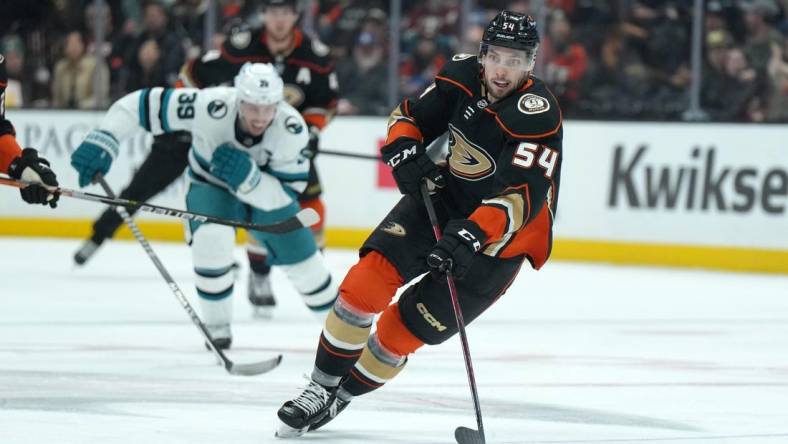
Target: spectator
(730, 95)
(116, 43)
(420, 67)
(777, 104)
(79, 81)
(13, 51)
(363, 80)
(615, 82)
(148, 71)
(761, 36)
(154, 27)
(565, 62)
(340, 21)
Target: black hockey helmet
(511, 30)
(275, 3)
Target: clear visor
(493, 56)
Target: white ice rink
(574, 353)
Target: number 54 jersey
(504, 164)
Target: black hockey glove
(462, 239)
(410, 164)
(32, 168)
(311, 149)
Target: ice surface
(574, 353)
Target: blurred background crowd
(611, 59)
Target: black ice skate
(261, 296)
(86, 251)
(296, 415)
(336, 407)
(222, 336)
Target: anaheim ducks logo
(468, 160)
(395, 229)
(293, 95)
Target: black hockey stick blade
(464, 435)
(254, 368)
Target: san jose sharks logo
(468, 160)
(217, 109)
(293, 125)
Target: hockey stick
(250, 369)
(304, 218)
(347, 154)
(463, 435)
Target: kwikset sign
(699, 182)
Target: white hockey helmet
(259, 83)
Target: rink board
(697, 195)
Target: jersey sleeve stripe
(455, 83)
(163, 109)
(318, 120)
(289, 177)
(517, 135)
(144, 110)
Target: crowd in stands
(613, 60)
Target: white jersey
(210, 115)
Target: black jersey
(307, 71)
(9, 149)
(504, 164)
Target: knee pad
(315, 284)
(212, 257)
(431, 322)
(371, 284)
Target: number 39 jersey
(211, 115)
(504, 164)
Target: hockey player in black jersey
(23, 164)
(310, 87)
(495, 197)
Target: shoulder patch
(319, 48)
(461, 56)
(241, 39)
(293, 125)
(217, 109)
(532, 104)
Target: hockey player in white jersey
(245, 163)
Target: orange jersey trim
(535, 240)
(404, 129)
(491, 220)
(318, 120)
(456, 83)
(517, 135)
(9, 150)
(313, 66)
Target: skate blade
(263, 313)
(284, 431)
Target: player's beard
(496, 93)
